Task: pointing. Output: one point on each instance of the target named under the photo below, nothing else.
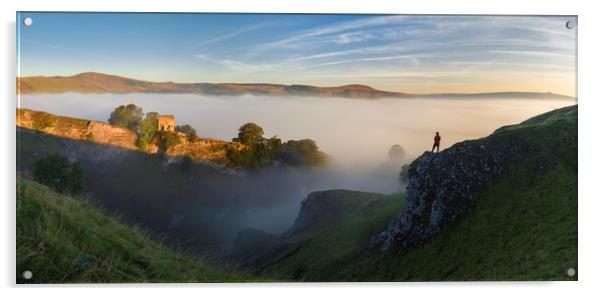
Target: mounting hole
(27, 21)
(27, 275)
(570, 25)
(571, 272)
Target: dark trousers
(435, 145)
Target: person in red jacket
(437, 141)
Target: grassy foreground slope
(318, 250)
(62, 239)
(523, 228)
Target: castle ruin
(166, 123)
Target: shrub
(128, 116)
(41, 121)
(188, 130)
(249, 134)
(148, 129)
(167, 139)
(58, 172)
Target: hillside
(91, 82)
(499, 208)
(63, 239)
(158, 192)
(200, 149)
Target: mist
(353, 131)
(356, 133)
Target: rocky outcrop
(77, 129)
(210, 151)
(443, 187)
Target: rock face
(442, 187)
(200, 149)
(78, 129)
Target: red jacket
(437, 139)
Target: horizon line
(292, 84)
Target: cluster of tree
(260, 152)
(58, 172)
(132, 117)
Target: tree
(41, 121)
(302, 153)
(58, 172)
(148, 129)
(128, 116)
(167, 139)
(188, 130)
(249, 134)
(397, 152)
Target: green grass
(524, 227)
(62, 239)
(318, 252)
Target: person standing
(437, 141)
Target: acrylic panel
(210, 147)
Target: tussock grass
(63, 239)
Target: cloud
(230, 35)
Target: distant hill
(91, 82)
(498, 95)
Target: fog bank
(355, 132)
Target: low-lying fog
(356, 133)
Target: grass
(318, 252)
(63, 239)
(524, 229)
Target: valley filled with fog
(357, 134)
(354, 132)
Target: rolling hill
(91, 82)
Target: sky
(405, 53)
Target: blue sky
(416, 54)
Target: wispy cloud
(231, 35)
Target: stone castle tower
(166, 123)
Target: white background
(589, 26)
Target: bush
(188, 130)
(167, 139)
(261, 152)
(41, 121)
(58, 172)
(397, 152)
(148, 129)
(249, 134)
(302, 153)
(128, 116)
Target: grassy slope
(63, 240)
(525, 227)
(318, 252)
